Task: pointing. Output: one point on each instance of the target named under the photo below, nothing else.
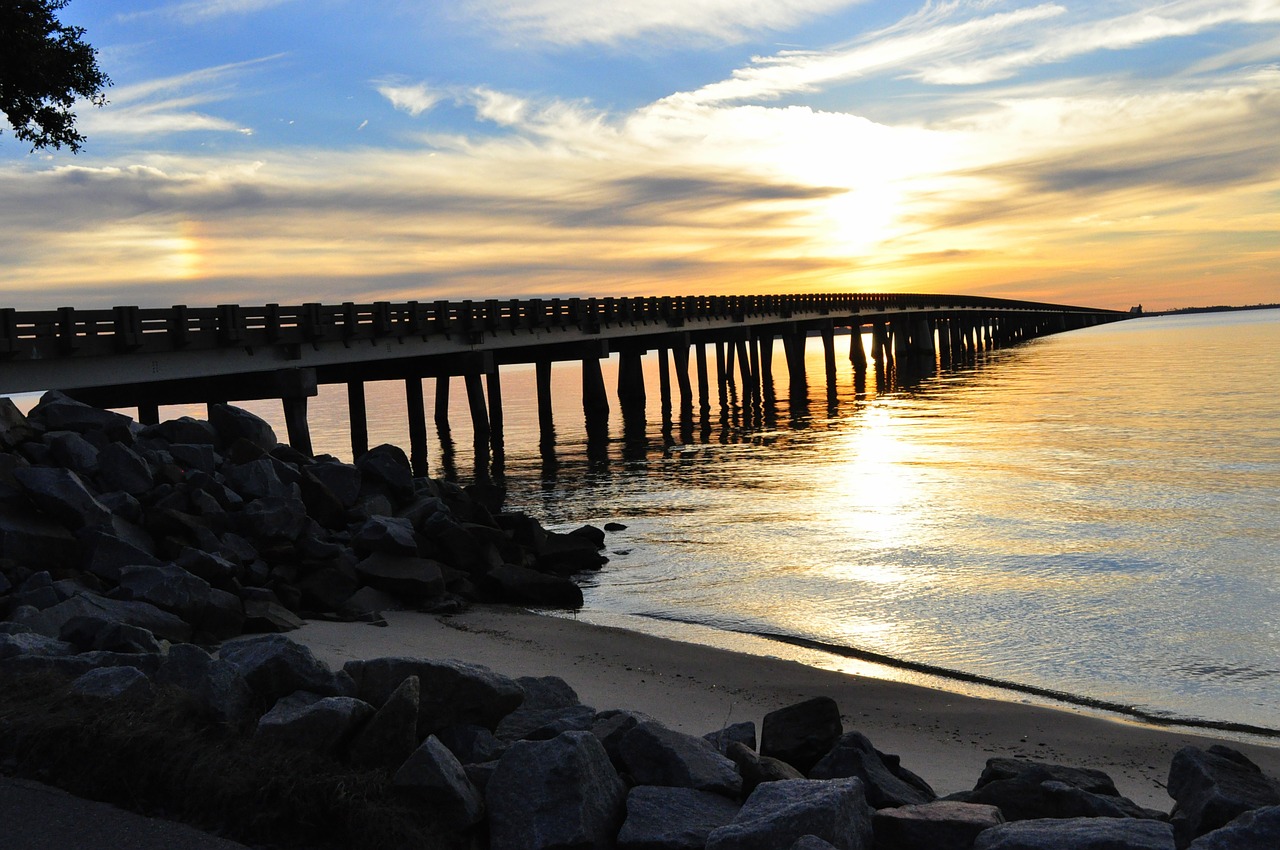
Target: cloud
(573, 22)
(200, 11)
(414, 99)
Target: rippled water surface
(1095, 513)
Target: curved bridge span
(147, 357)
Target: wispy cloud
(573, 22)
(199, 11)
(413, 98)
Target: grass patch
(160, 757)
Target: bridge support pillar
(749, 391)
(857, 354)
(479, 422)
(764, 341)
(722, 377)
(829, 353)
(704, 384)
(358, 415)
(546, 421)
(631, 392)
(296, 386)
(793, 345)
(680, 359)
(595, 401)
(417, 411)
(880, 344)
(664, 382)
(493, 388)
(148, 413)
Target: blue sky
(277, 150)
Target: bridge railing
(71, 332)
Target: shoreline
(943, 736)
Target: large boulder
(121, 468)
(1077, 834)
(305, 720)
(391, 735)
(433, 774)
(214, 685)
(235, 423)
(803, 733)
(1254, 830)
(756, 769)
(168, 587)
(887, 783)
(275, 666)
(778, 813)
(656, 755)
(405, 576)
(555, 794)
(1027, 790)
(660, 818)
(57, 411)
(514, 583)
(939, 825)
(385, 471)
(451, 691)
(1212, 787)
(143, 615)
(113, 683)
(62, 495)
(550, 706)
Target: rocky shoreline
(146, 563)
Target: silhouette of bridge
(144, 357)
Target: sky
(1101, 154)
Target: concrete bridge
(144, 358)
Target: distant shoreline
(1215, 309)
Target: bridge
(147, 357)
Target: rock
(742, 733)
(756, 769)
(544, 723)
(89, 633)
(390, 535)
(216, 687)
(167, 587)
(121, 468)
(196, 456)
(208, 566)
(15, 429)
(1212, 787)
(778, 813)
(1027, 790)
(144, 615)
(234, 423)
(1086, 779)
(451, 691)
(305, 720)
(565, 554)
(323, 505)
(803, 733)
(106, 553)
(62, 495)
(656, 755)
(73, 452)
(886, 783)
(660, 818)
(554, 794)
(385, 470)
(275, 666)
(939, 825)
(268, 616)
(57, 411)
(811, 842)
(433, 774)
(1258, 829)
(406, 576)
(185, 430)
(31, 643)
(33, 538)
(113, 683)
(472, 744)
(614, 526)
(593, 535)
(391, 735)
(341, 479)
(224, 617)
(257, 479)
(274, 518)
(521, 584)
(1078, 834)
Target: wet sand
(944, 737)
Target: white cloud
(414, 99)
(573, 22)
(199, 11)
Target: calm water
(1095, 514)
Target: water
(1093, 515)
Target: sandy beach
(944, 737)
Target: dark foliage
(159, 757)
(44, 66)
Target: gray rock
(15, 429)
(90, 633)
(257, 479)
(31, 643)
(811, 842)
(62, 495)
(1212, 787)
(451, 691)
(1078, 834)
(940, 825)
(268, 616)
(406, 576)
(1254, 830)
(612, 726)
(778, 813)
(196, 455)
(73, 452)
(803, 733)
(306, 720)
(113, 683)
(565, 554)
(107, 552)
(30, 537)
(389, 535)
(656, 755)
(209, 566)
(515, 583)
(472, 744)
(756, 769)
(144, 615)
(323, 505)
(886, 783)
(543, 723)
(391, 735)
(224, 617)
(1027, 790)
(385, 470)
(741, 733)
(541, 692)
(234, 423)
(275, 666)
(341, 479)
(661, 818)
(121, 468)
(274, 518)
(217, 688)
(58, 412)
(1086, 779)
(168, 587)
(433, 774)
(555, 794)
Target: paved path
(39, 817)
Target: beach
(944, 737)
